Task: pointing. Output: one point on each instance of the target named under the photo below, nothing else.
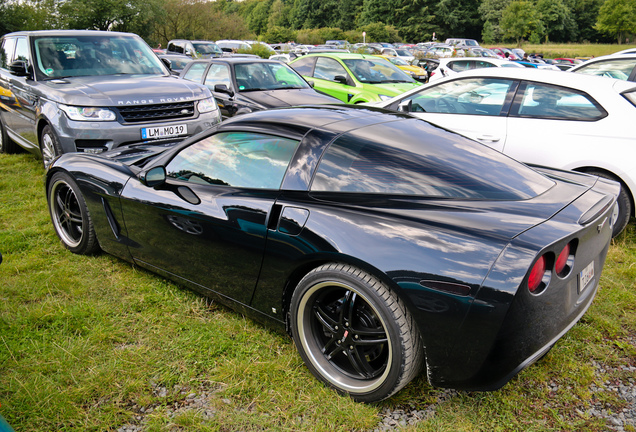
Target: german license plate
(164, 131)
(586, 276)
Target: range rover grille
(158, 112)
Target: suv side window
(8, 45)
(175, 47)
(22, 50)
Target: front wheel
(354, 333)
(70, 216)
(49, 145)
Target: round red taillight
(536, 274)
(562, 260)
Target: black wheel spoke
(324, 318)
(360, 364)
(334, 349)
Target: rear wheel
(354, 333)
(6, 145)
(49, 145)
(625, 205)
(70, 216)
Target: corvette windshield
(376, 71)
(70, 56)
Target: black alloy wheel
(354, 333)
(70, 216)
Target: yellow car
(415, 72)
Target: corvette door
(474, 107)
(207, 223)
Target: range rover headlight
(88, 113)
(207, 105)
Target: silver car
(91, 91)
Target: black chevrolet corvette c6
(385, 245)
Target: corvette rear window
(412, 157)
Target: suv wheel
(50, 146)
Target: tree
(519, 20)
(557, 19)
(100, 14)
(458, 18)
(413, 20)
(617, 18)
(491, 12)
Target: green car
(353, 78)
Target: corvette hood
(122, 90)
(287, 97)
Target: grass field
(573, 50)
(94, 343)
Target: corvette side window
(238, 159)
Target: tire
(49, 145)
(70, 215)
(625, 205)
(354, 333)
(6, 144)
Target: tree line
(313, 22)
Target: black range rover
(90, 91)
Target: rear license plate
(164, 131)
(586, 276)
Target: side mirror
(167, 63)
(153, 177)
(19, 68)
(405, 106)
(340, 78)
(311, 84)
(222, 88)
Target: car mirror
(19, 68)
(167, 63)
(222, 88)
(340, 78)
(311, 84)
(153, 177)
(405, 106)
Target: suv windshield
(66, 56)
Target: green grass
(570, 50)
(94, 343)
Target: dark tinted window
(238, 159)
(412, 157)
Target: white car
(619, 66)
(563, 120)
(452, 66)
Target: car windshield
(205, 48)
(378, 71)
(403, 52)
(69, 56)
(267, 76)
(616, 68)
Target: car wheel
(625, 206)
(70, 216)
(6, 145)
(354, 333)
(50, 146)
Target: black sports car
(382, 243)
(242, 85)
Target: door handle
(488, 138)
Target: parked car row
(386, 238)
